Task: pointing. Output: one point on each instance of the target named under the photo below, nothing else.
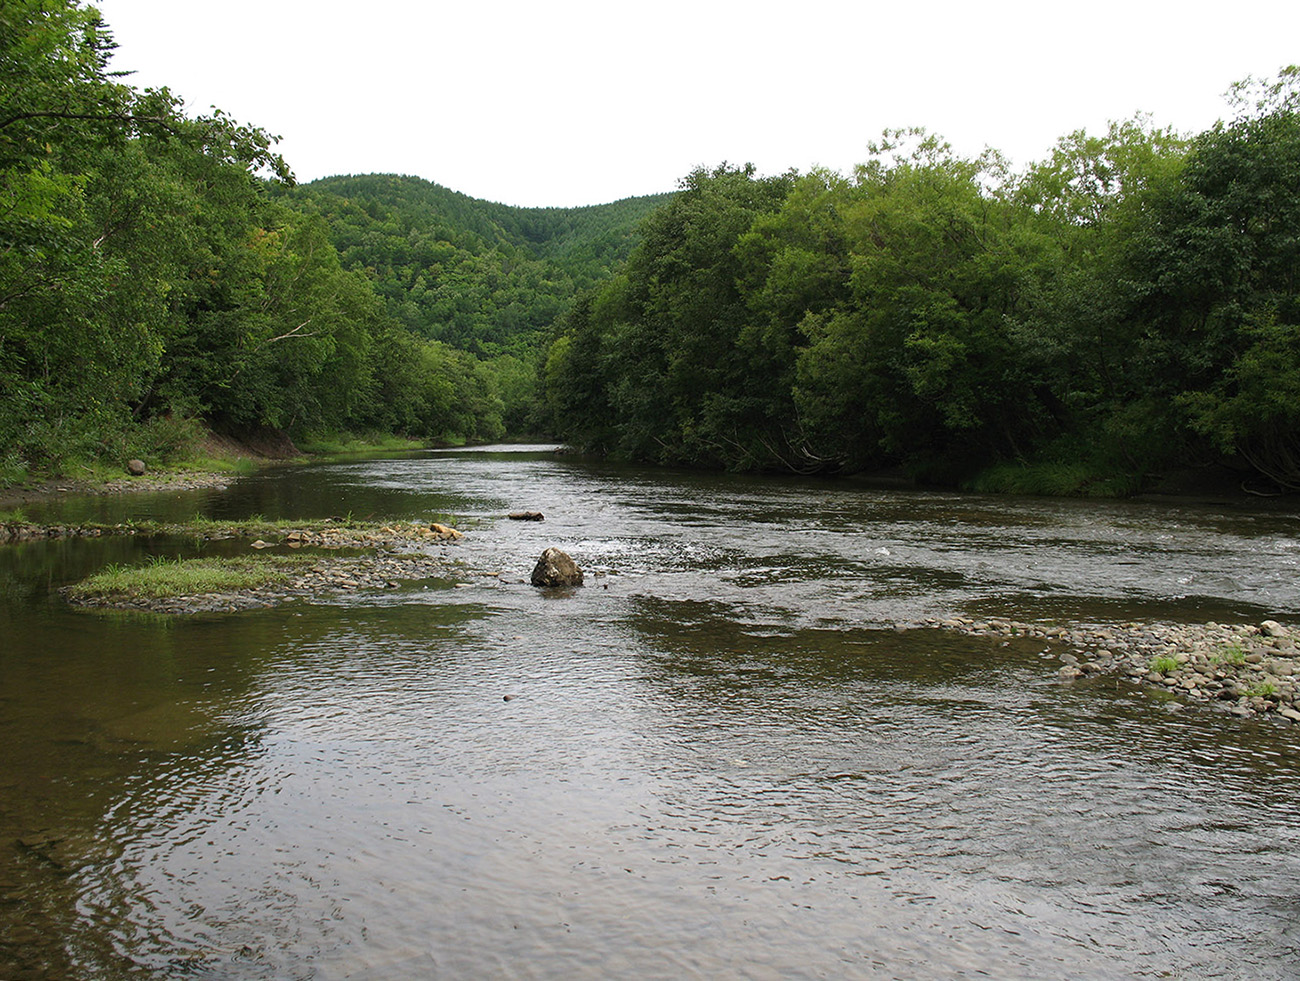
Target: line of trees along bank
(1127, 305)
(150, 276)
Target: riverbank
(214, 463)
(13, 498)
(1244, 669)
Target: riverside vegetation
(1123, 309)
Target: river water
(720, 757)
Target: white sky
(572, 102)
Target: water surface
(718, 758)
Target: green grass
(1230, 654)
(1164, 664)
(1052, 480)
(330, 444)
(164, 578)
(1261, 690)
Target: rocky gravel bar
(1245, 669)
(390, 565)
(323, 534)
(332, 576)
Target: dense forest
(1127, 306)
(476, 277)
(160, 274)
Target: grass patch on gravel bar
(165, 578)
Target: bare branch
(288, 335)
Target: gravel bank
(149, 483)
(1245, 669)
(331, 576)
(390, 566)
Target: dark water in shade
(718, 758)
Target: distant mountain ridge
(481, 276)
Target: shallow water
(716, 758)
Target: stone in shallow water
(556, 568)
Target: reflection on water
(715, 759)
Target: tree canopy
(1126, 305)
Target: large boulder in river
(555, 568)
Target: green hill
(483, 277)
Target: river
(723, 756)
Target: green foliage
(663, 362)
(152, 270)
(1163, 664)
(1223, 261)
(1127, 304)
(816, 322)
(1064, 479)
(472, 276)
(483, 277)
(341, 443)
(1233, 654)
(1262, 689)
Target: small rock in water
(556, 568)
(526, 516)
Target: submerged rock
(556, 568)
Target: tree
(1219, 266)
(919, 360)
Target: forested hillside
(482, 278)
(160, 273)
(487, 278)
(1128, 305)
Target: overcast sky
(573, 102)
